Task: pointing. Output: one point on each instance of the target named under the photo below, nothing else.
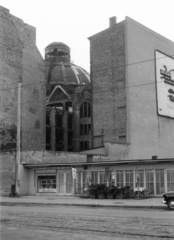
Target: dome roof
(57, 49)
(57, 44)
(59, 68)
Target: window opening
(150, 180)
(84, 145)
(85, 129)
(119, 178)
(78, 183)
(159, 181)
(46, 183)
(48, 138)
(59, 139)
(85, 110)
(48, 117)
(102, 177)
(170, 180)
(94, 177)
(139, 178)
(129, 178)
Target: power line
(44, 100)
(130, 64)
(65, 78)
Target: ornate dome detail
(59, 68)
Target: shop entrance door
(65, 184)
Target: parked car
(169, 199)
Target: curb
(82, 205)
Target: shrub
(101, 188)
(92, 189)
(110, 190)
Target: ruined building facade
(68, 105)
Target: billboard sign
(165, 84)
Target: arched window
(85, 110)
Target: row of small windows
(152, 179)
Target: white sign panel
(165, 84)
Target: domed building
(68, 117)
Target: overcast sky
(73, 21)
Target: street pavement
(155, 203)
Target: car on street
(169, 199)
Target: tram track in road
(94, 224)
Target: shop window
(85, 110)
(170, 180)
(78, 183)
(119, 178)
(94, 177)
(102, 177)
(46, 183)
(150, 180)
(85, 180)
(139, 178)
(69, 183)
(159, 181)
(129, 178)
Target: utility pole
(18, 154)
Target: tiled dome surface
(59, 68)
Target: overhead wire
(67, 77)
(124, 87)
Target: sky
(74, 21)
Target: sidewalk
(155, 203)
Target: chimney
(112, 21)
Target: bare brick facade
(20, 59)
(108, 71)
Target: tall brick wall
(107, 52)
(20, 58)
(10, 69)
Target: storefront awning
(99, 163)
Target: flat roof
(99, 163)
